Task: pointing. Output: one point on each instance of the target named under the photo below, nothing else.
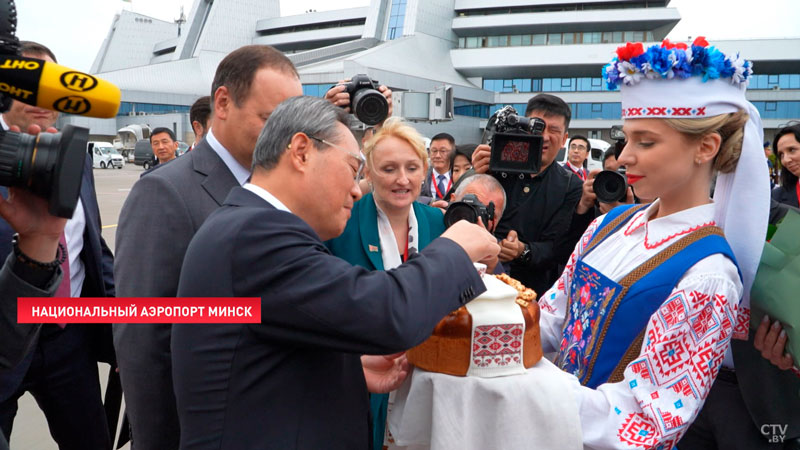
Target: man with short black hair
(577, 152)
(164, 144)
(200, 118)
(540, 205)
(165, 209)
(439, 180)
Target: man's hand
(771, 342)
(384, 373)
(606, 207)
(441, 204)
(27, 214)
(511, 247)
(480, 158)
(474, 239)
(340, 98)
(588, 197)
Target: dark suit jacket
(360, 243)
(98, 263)
(161, 214)
(786, 196)
(295, 379)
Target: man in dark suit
(162, 213)
(61, 370)
(439, 179)
(296, 379)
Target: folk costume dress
(644, 312)
(642, 316)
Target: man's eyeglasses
(439, 151)
(361, 161)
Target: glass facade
(588, 6)
(397, 17)
(316, 90)
(471, 109)
(580, 84)
(126, 108)
(568, 38)
(782, 81)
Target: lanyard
(405, 253)
(797, 189)
(579, 173)
(441, 194)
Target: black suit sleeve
(312, 299)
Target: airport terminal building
(491, 52)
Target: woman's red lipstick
(634, 178)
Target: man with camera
(61, 369)
(540, 205)
(479, 196)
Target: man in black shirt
(540, 206)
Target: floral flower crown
(674, 60)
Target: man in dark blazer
(438, 181)
(61, 371)
(164, 210)
(296, 379)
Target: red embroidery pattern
(682, 354)
(742, 329)
(661, 111)
(497, 345)
(673, 236)
(635, 223)
(639, 431)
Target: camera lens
(610, 186)
(49, 165)
(460, 211)
(370, 106)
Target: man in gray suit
(164, 210)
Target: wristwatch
(525, 256)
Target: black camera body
(611, 186)
(469, 209)
(516, 142)
(366, 102)
(49, 165)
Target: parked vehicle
(104, 155)
(143, 154)
(595, 158)
(128, 136)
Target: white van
(104, 155)
(595, 159)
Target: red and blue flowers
(674, 60)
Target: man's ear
(222, 102)
(298, 151)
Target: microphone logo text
(78, 81)
(19, 64)
(72, 105)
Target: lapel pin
(373, 248)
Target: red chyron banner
(139, 310)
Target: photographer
(540, 205)
(61, 369)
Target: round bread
(449, 348)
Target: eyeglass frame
(362, 162)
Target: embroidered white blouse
(686, 339)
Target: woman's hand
(384, 373)
(771, 342)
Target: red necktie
(64, 288)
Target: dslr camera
(516, 142)
(469, 209)
(49, 165)
(611, 186)
(366, 102)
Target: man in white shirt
(439, 180)
(165, 209)
(577, 152)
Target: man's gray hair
(313, 116)
(487, 181)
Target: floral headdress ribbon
(675, 80)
